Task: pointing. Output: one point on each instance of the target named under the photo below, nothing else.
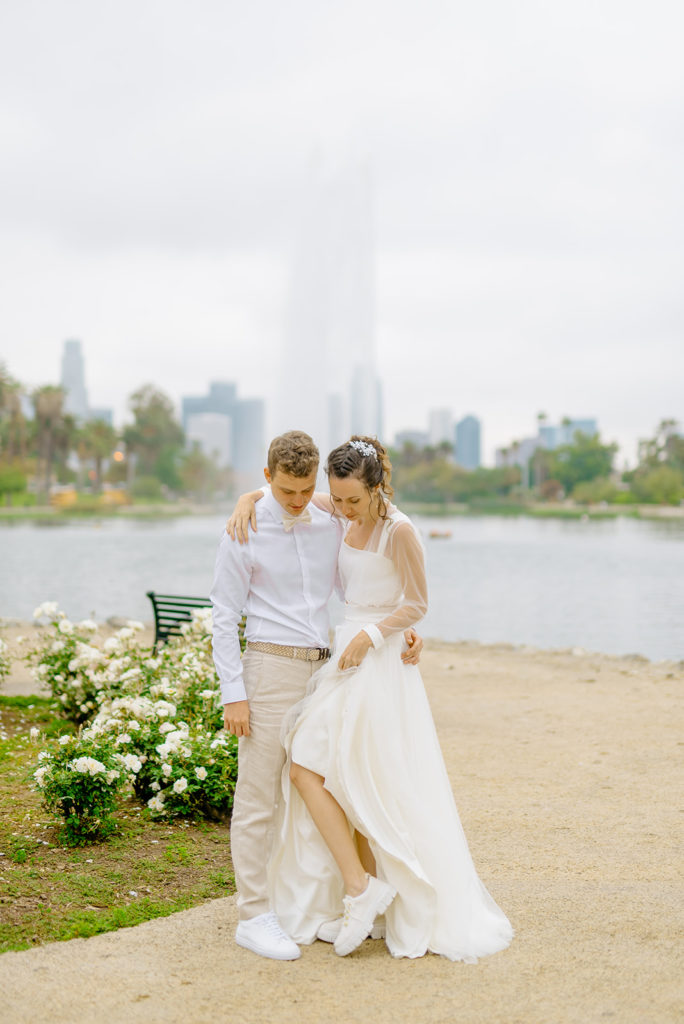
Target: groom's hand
(236, 717)
(414, 644)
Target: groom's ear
(267, 474)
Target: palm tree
(50, 425)
(97, 441)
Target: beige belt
(301, 653)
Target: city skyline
(528, 219)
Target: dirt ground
(567, 771)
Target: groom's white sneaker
(329, 930)
(360, 913)
(263, 935)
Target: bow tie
(289, 520)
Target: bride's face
(353, 499)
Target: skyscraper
(328, 383)
(73, 380)
(220, 421)
(468, 443)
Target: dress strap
(384, 536)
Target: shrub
(80, 780)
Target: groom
(283, 578)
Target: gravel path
(564, 768)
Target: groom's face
(292, 492)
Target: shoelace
(274, 928)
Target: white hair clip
(363, 448)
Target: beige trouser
(273, 685)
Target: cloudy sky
(527, 160)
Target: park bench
(171, 611)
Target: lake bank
(165, 510)
(563, 766)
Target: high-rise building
(468, 443)
(230, 425)
(328, 382)
(73, 380)
(440, 426)
(212, 432)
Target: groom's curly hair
(293, 453)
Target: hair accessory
(363, 448)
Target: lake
(613, 585)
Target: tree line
(582, 471)
(148, 458)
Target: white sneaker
(360, 913)
(329, 930)
(264, 936)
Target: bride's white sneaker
(329, 930)
(264, 936)
(360, 913)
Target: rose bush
(158, 714)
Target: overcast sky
(527, 161)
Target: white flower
(207, 694)
(152, 663)
(57, 646)
(88, 766)
(166, 727)
(166, 769)
(40, 773)
(156, 803)
(133, 726)
(87, 626)
(111, 775)
(64, 739)
(155, 789)
(48, 608)
(20, 639)
(34, 733)
(201, 773)
(132, 762)
(123, 738)
(125, 634)
(135, 625)
(110, 645)
(180, 785)
(65, 627)
(164, 709)
(44, 755)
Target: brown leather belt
(301, 653)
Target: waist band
(282, 651)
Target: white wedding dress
(370, 733)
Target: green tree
(13, 427)
(54, 431)
(199, 474)
(155, 437)
(96, 442)
(662, 485)
(585, 459)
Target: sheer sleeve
(406, 551)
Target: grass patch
(49, 892)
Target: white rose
(64, 739)
(34, 733)
(88, 626)
(57, 646)
(65, 627)
(166, 769)
(180, 785)
(201, 773)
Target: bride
(368, 824)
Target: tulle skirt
(369, 732)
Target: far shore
(48, 514)
(564, 766)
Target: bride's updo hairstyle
(367, 460)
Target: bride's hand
(355, 651)
(242, 515)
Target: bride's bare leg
(365, 854)
(331, 822)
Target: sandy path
(565, 769)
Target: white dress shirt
(281, 580)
